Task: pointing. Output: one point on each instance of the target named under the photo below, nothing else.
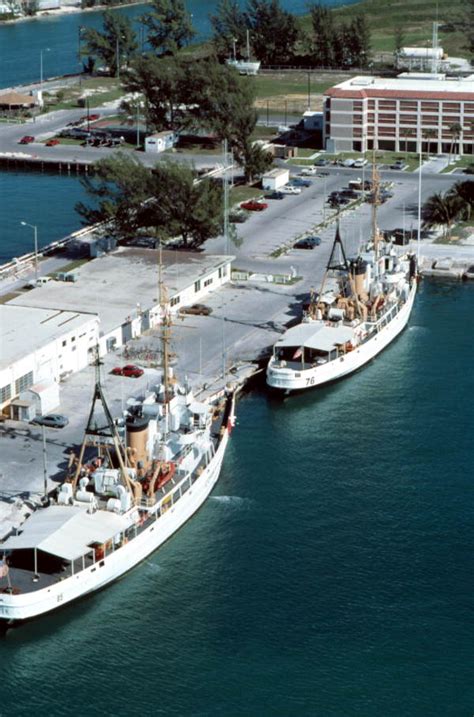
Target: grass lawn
(69, 267)
(461, 163)
(281, 84)
(242, 192)
(264, 132)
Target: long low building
(42, 345)
(121, 289)
(412, 112)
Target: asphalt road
(48, 125)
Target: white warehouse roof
(112, 285)
(24, 330)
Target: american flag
(3, 569)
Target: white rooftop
(409, 81)
(113, 285)
(66, 532)
(316, 335)
(24, 330)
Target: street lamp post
(35, 230)
(46, 49)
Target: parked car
(253, 205)
(27, 139)
(360, 163)
(321, 162)
(307, 243)
(130, 371)
(91, 117)
(336, 199)
(308, 171)
(52, 420)
(196, 310)
(52, 142)
(275, 195)
(299, 182)
(399, 164)
(290, 189)
(349, 193)
(348, 162)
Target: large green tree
(166, 200)
(169, 26)
(114, 46)
(179, 94)
(274, 31)
(359, 42)
(166, 86)
(322, 20)
(466, 24)
(229, 25)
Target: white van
(41, 281)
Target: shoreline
(69, 10)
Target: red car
(254, 206)
(52, 142)
(90, 118)
(27, 139)
(130, 371)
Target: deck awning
(316, 335)
(66, 531)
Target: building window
(5, 393)
(208, 282)
(175, 300)
(24, 382)
(357, 146)
(386, 145)
(197, 286)
(73, 338)
(64, 342)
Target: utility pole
(117, 55)
(45, 464)
(226, 199)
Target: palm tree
(406, 133)
(463, 192)
(428, 134)
(455, 132)
(441, 209)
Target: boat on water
(363, 304)
(132, 485)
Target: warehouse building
(411, 112)
(42, 346)
(121, 290)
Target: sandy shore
(67, 10)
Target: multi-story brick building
(406, 113)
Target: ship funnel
(359, 274)
(137, 439)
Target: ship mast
(107, 434)
(165, 330)
(375, 203)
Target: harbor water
(57, 37)
(45, 201)
(329, 574)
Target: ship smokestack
(137, 439)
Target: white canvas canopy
(66, 532)
(315, 335)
